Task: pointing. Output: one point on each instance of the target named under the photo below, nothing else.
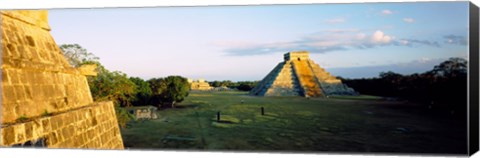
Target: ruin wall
(39, 85)
(94, 126)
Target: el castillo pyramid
(298, 75)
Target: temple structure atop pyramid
(298, 75)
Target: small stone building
(200, 85)
(143, 112)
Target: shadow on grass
(224, 121)
(181, 106)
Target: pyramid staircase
(281, 82)
(307, 78)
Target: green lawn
(356, 124)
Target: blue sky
(246, 42)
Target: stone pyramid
(300, 76)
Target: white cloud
(329, 41)
(266, 49)
(387, 12)
(380, 37)
(336, 20)
(424, 60)
(361, 36)
(456, 39)
(324, 43)
(408, 20)
(232, 43)
(410, 42)
(342, 30)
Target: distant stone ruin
(143, 112)
(297, 75)
(200, 85)
(45, 101)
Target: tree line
(240, 85)
(444, 87)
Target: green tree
(245, 85)
(391, 76)
(144, 92)
(215, 83)
(76, 55)
(106, 86)
(158, 86)
(443, 88)
(169, 90)
(224, 83)
(452, 67)
(227, 83)
(115, 86)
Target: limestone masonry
(143, 112)
(45, 101)
(199, 85)
(300, 76)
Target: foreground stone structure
(200, 85)
(45, 101)
(300, 76)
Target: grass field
(291, 124)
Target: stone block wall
(330, 84)
(285, 83)
(307, 78)
(36, 78)
(43, 97)
(94, 126)
(297, 55)
(262, 87)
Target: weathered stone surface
(300, 76)
(199, 85)
(88, 70)
(66, 131)
(43, 96)
(143, 112)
